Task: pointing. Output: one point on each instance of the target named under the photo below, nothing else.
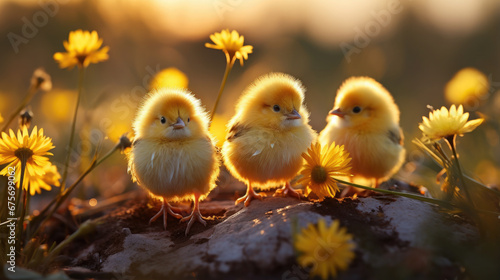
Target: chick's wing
(235, 131)
(396, 136)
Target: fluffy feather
(173, 155)
(365, 120)
(269, 132)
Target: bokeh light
(58, 105)
(468, 87)
(169, 77)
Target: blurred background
(414, 48)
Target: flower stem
(229, 66)
(31, 92)
(64, 195)
(24, 160)
(417, 197)
(409, 195)
(73, 125)
(452, 142)
(84, 229)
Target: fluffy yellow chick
(173, 155)
(268, 134)
(365, 120)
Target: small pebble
(126, 231)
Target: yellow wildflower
(469, 86)
(443, 123)
(82, 49)
(169, 77)
(231, 43)
(326, 250)
(25, 147)
(321, 165)
(46, 181)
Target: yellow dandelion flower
(231, 43)
(46, 181)
(469, 86)
(82, 49)
(443, 123)
(321, 165)
(32, 148)
(169, 77)
(327, 250)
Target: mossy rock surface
(256, 242)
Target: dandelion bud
(25, 118)
(124, 143)
(41, 80)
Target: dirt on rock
(255, 242)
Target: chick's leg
(165, 209)
(251, 194)
(288, 190)
(195, 214)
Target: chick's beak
(294, 115)
(337, 112)
(179, 124)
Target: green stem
(19, 194)
(28, 202)
(73, 125)
(31, 92)
(64, 195)
(229, 66)
(3, 208)
(451, 141)
(417, 197)
(24, 160)
(446, 160)
(409, 195)
(86, 228)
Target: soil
(381, 252)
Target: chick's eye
(276, 108)
(356, 109)
(163, 120)
(188, 119)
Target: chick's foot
(249, 196)
(165, 209)
(195, 215)
(288, 190)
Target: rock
(256, 242)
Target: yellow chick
(173, 155)
(365, 120)
(268, 134)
